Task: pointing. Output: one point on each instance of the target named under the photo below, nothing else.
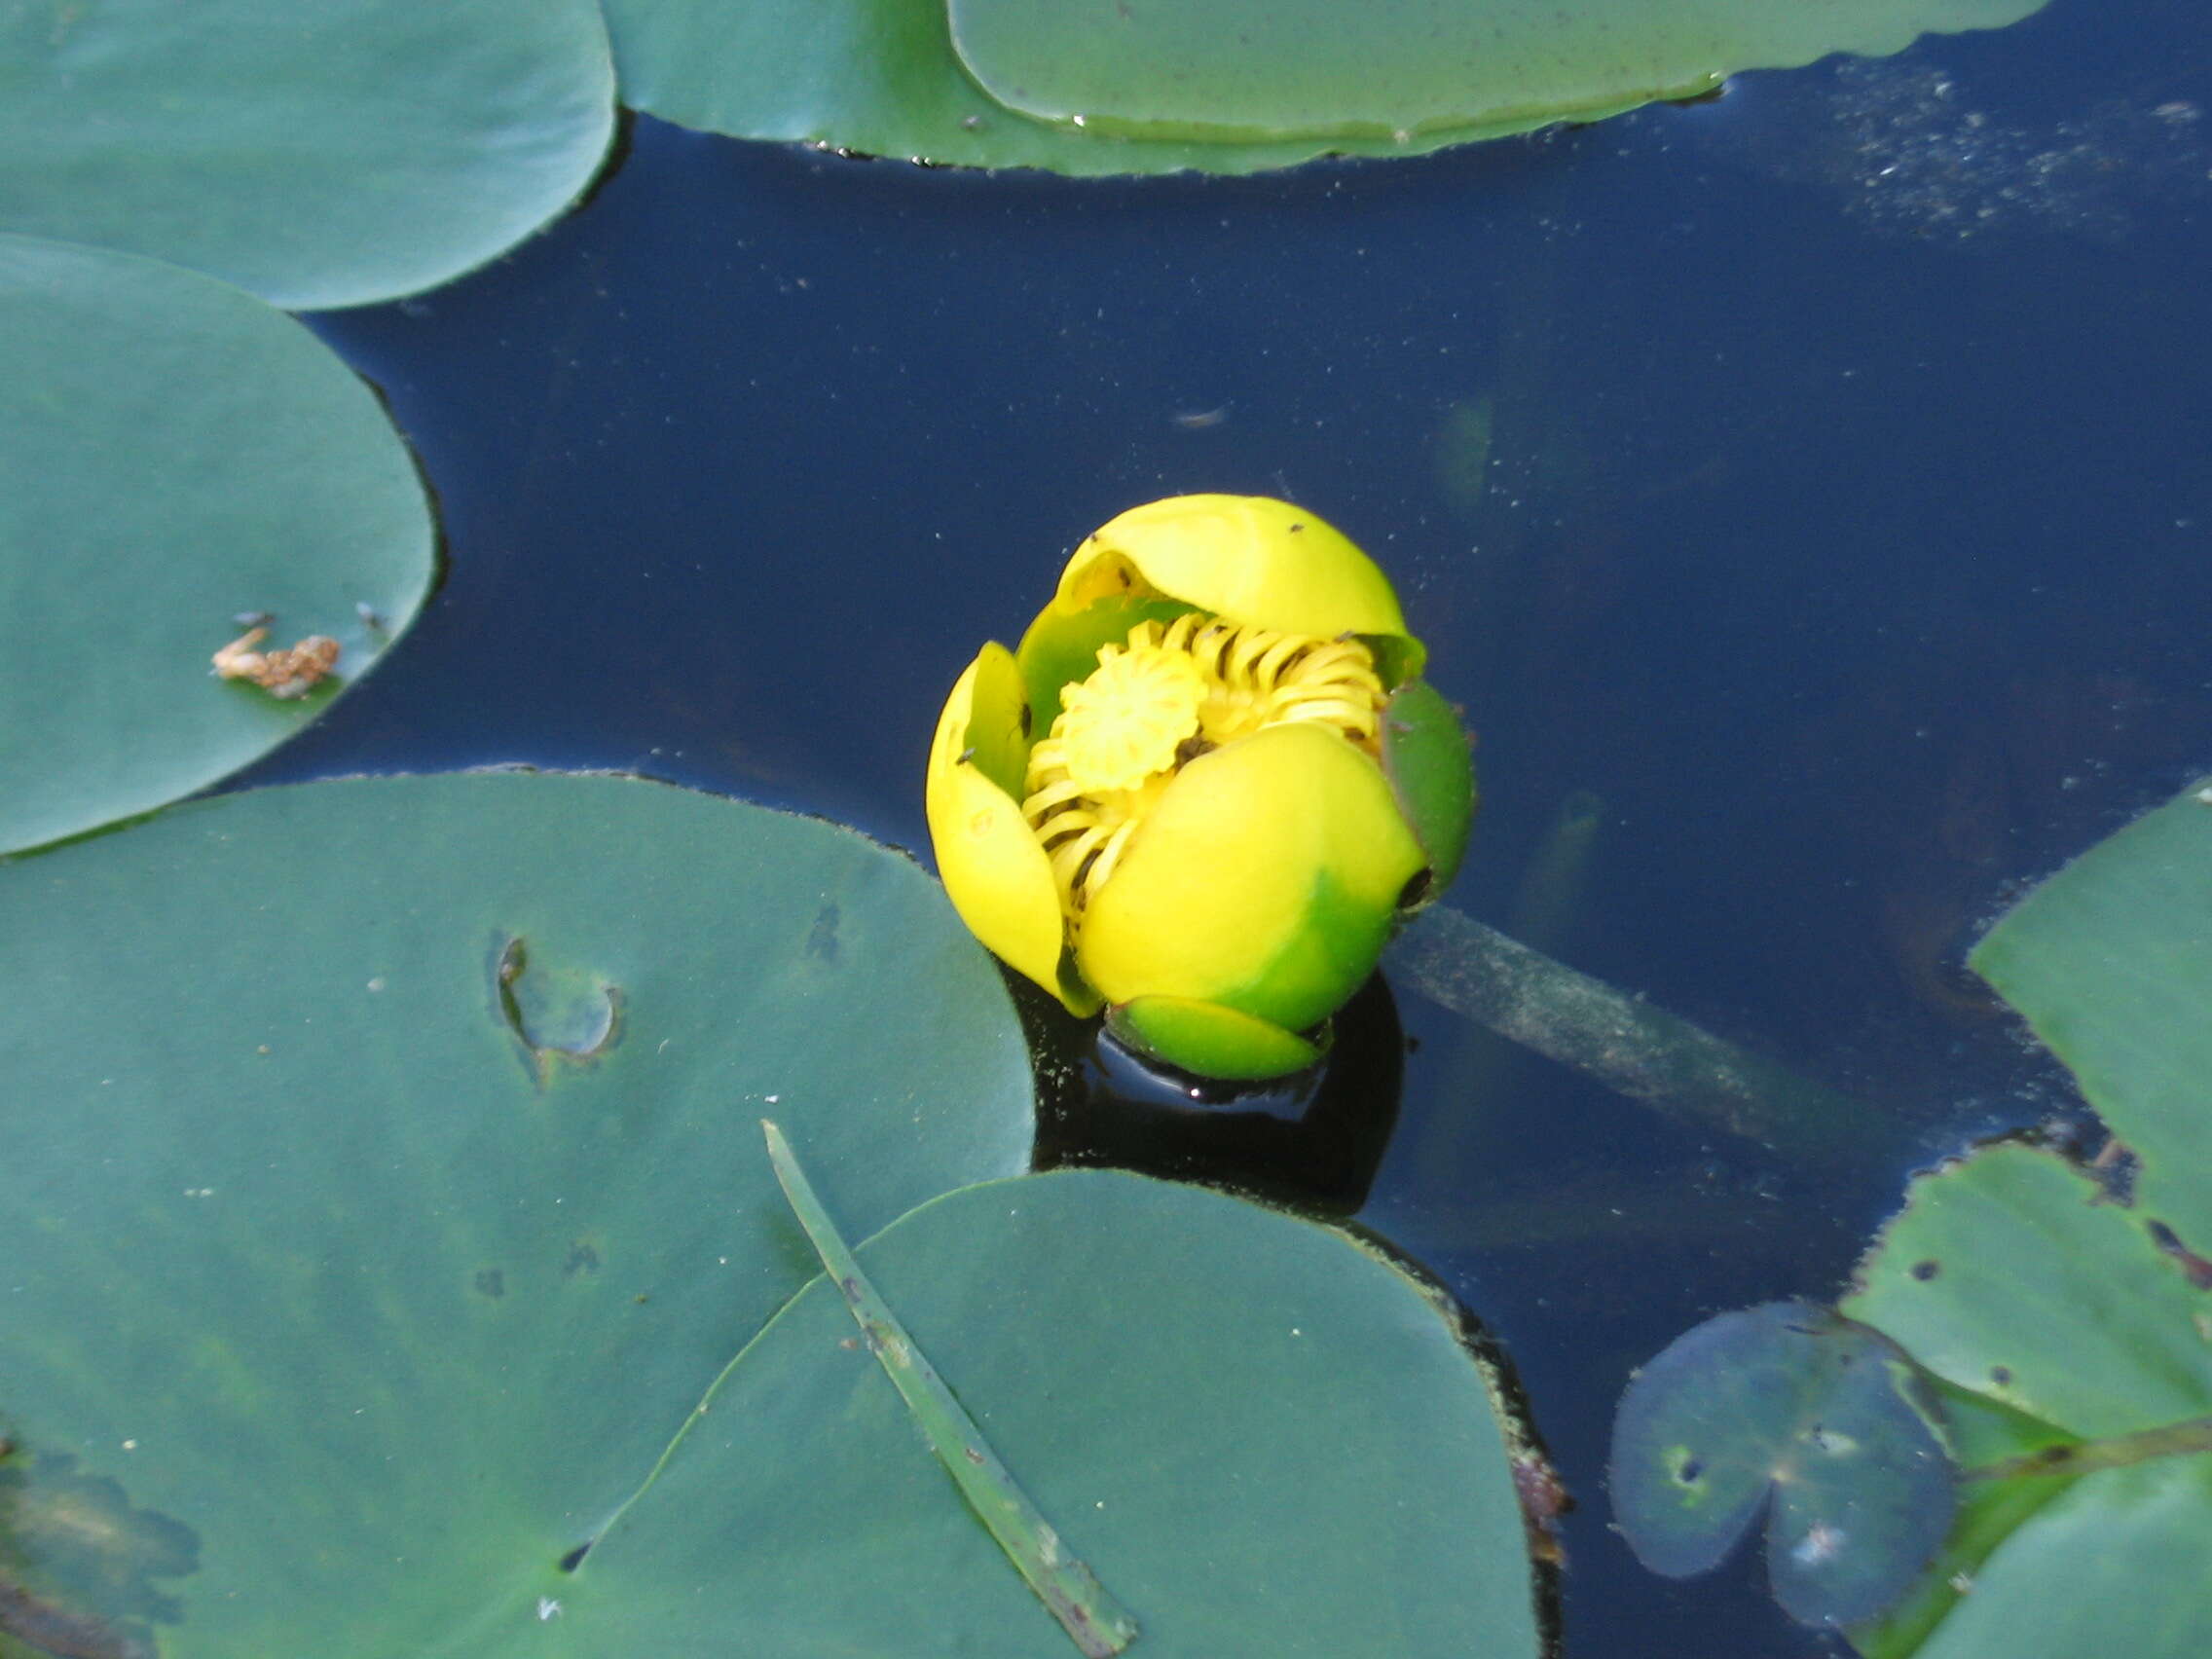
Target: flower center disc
(1126, 721)
(1151, 706)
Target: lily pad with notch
(305, 1260)
(1260, 1435)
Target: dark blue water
(1843, 527)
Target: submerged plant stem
(1095, 1621)
(1622, 1041)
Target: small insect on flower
(1207, 785)
(284, 672)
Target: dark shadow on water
(1313, 1142)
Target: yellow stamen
(1155, 704)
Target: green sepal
(1209, 1040)
(999, 726)
(1399, 658)
(1429, 758)
(1061, 647)
(1074, 990)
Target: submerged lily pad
(353, 150)
(1789, 1413)
(1261, 1437)
(2012, 1278)
(175, 453)
(372, 1254)
(1096, 86)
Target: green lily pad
(1261, 1437)
(382, 1260)
(880, 77)
(387, 148)
(2113, 1565)
(1258, 70)
(2111, 961)
(2006, 1276)
(1092, 86)
(1786, 1411)
(2011, 1277)
(175, 453)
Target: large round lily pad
(877, 76)
(321, 155)
(175, 453)
(1261, 1437)
(381, 1183)
(1260, 69)
(1102, 87)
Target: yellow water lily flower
(1207, 785)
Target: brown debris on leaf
(79, 1560)
(283, 672)
(1544, 1499)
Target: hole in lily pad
(559, 1013)
(389, 1328)
(1788, 1411)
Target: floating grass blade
(1095, 1621)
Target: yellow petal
(1249, 558)
(993, 868)
(1264, 879)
